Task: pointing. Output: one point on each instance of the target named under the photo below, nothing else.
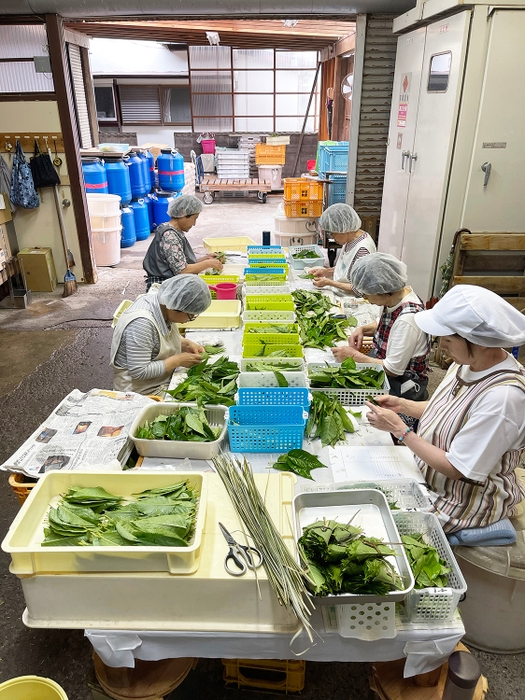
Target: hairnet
(187, 205)
(476, 314)
(340, 218)
(186, 293)
(378, 273)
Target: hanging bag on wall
(23, 192)
(44, 173)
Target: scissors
(241, 556)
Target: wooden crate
(495, 261)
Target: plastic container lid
(463, 669)
(508, 561)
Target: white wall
(40, 227)
(129, 57)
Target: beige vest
(345, 262)
(169, 345)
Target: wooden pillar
(68, 121)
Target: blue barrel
(170, 165)
(160, 206)
(145, 168)
(128, 236)
(140, 211)
(95, 177)
(149, 199)
(139, 186)
(118, 179)
(151, 168)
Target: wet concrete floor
(56, 345)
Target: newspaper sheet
(85, 429)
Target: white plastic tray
(268, 379)
(349, 397)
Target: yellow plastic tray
(214, 245)
(220, 314)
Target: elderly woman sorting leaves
(471, 433)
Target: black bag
(44, 173)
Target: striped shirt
(349, 254)
(479, 421)
(140, 342)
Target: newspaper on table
(85, 429)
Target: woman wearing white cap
(400, 346)
(147, 345)
(343, 224)
(471, 433)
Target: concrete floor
(58, 344)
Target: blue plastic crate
(268, 261)
(332, 158)
(264, 270)
(274, 396)
(337, 189)
(262, 249)
(266, 428)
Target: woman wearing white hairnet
(147, 346)
(342, 224)
(399, 344)
(170, 253)
(471, 433)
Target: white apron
(346, 260)
(169, 345)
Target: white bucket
(272, 173)
(103, 205)
(106, 246)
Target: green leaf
(281, 379)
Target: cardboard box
(39, 269)
(5, 212)
(155, 148)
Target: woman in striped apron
(399, 344)
(471, 433)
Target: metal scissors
(241, 556)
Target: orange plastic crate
(21, 485)
(268, 674)
(310, 209)
(300, 189)
(269, 155)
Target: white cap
(476, 314)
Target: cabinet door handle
(411, 157)
(404, 154)
(486, 167)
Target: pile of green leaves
(206, 383)
(269, 366)
(299, 462)
(311, 304)
(307, 276)
(328, 420)
(162, 517)
(304, 254)
(323, 331)
(262, 278)
(427, 566)
(347, 376)
(277, 328)
(220, 255)
(187, 424)
(341, 559)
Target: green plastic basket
(279, 276)
(252, 350)
(256, 327)
(271, 339)
(269, 305)
(215, 279)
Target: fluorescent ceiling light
(213, 38)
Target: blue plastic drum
(149, 199)
(128, 236)
(140, 211)
(139, 186)
(117, 172)
(160, 207)
(170, 165)
(95, 178)
(151, 168)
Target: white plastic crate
(428, 605)
(300, 264)
(216, 416)
(368, 621)
(266, 289)
(349, 397)
(268, 379)
(26, 533)
(287, 239)
(406, 494)
(266, 316)
(296, 361)
(297, 226)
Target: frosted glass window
(253, 81)
(176, 105)
(294, 80)
(294, 124)
(292, 104)
(211, 124)
(210, 57)
(20, 76)
(439, 72)
(296, 59)
(212, 105)
(251, 124)
(203, 81)
(247, 105)
(253, 58)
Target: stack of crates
(332, 163)
(232, 163)
(303, 197)
(248, 143)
